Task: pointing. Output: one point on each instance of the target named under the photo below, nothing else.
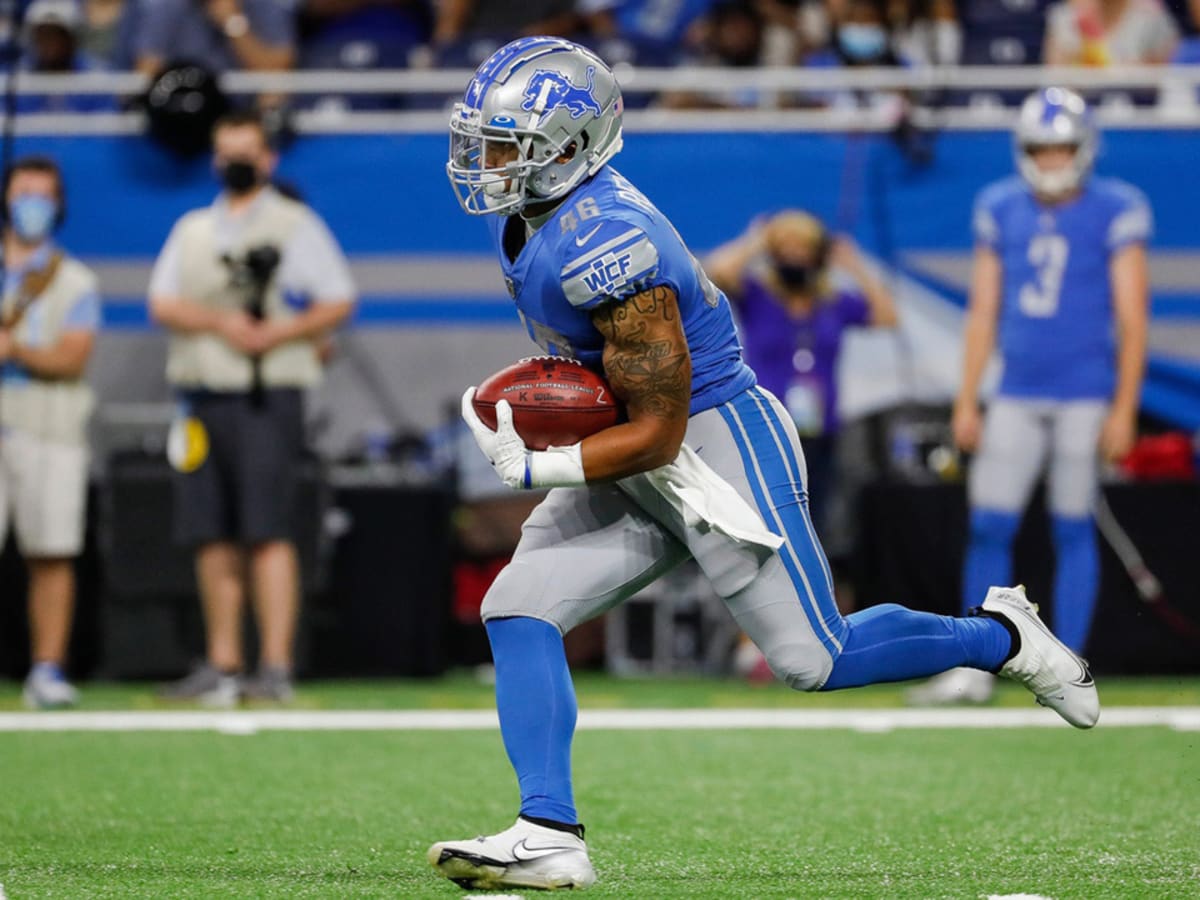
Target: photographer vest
(52, 409)
(205, 360)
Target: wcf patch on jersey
(608, 272)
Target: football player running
(1060, 265)
(706, 466)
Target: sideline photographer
(248, 287)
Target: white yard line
(1179, 718)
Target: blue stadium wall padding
(386, 196)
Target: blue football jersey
(1056, 327)
(605, 244)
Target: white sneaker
(961, 685)
(48, 689)
(206, 686)
(1058, 678)
(527, 855)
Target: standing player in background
(49, 314)
(1060, 265)
(707, 465)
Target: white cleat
(1058, 678)
(527, 855)
(961, 685)
(46, 690)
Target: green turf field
(461, 690)
(715, 814)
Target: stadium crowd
(358, 35)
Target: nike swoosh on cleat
(584, 238)
(536, 852)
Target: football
(555, 401)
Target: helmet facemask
(490, 166)
(1055, 182)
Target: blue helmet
(1055, 116)
(527, 104)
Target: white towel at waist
(702, 496)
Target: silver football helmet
(527, 104)
(1055, 117)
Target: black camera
(250, 274)
(253, 271)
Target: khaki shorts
(43, 491)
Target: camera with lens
(251, 273)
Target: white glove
(516, 464)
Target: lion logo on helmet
(560, 91)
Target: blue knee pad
(989, 553)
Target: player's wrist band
(555, 467)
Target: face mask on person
(795, 277)
(32, 217)
(861, 42)
(239, 176)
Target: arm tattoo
(645, 353)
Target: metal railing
(1176, 87)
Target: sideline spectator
(51, 45)
(248, 288)
(653, 30)
(107, 31)
(362, 34)
(48, 321)
(217, 34)
(465, 32)
(860, 35)
(1109, 32)
(928, 33)
(732, 36)
(792, 321)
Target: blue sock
(536, 703)
(1076, 579)
(989, 554)
(51, 670)
(891, 643)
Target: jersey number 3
(1048, 256)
